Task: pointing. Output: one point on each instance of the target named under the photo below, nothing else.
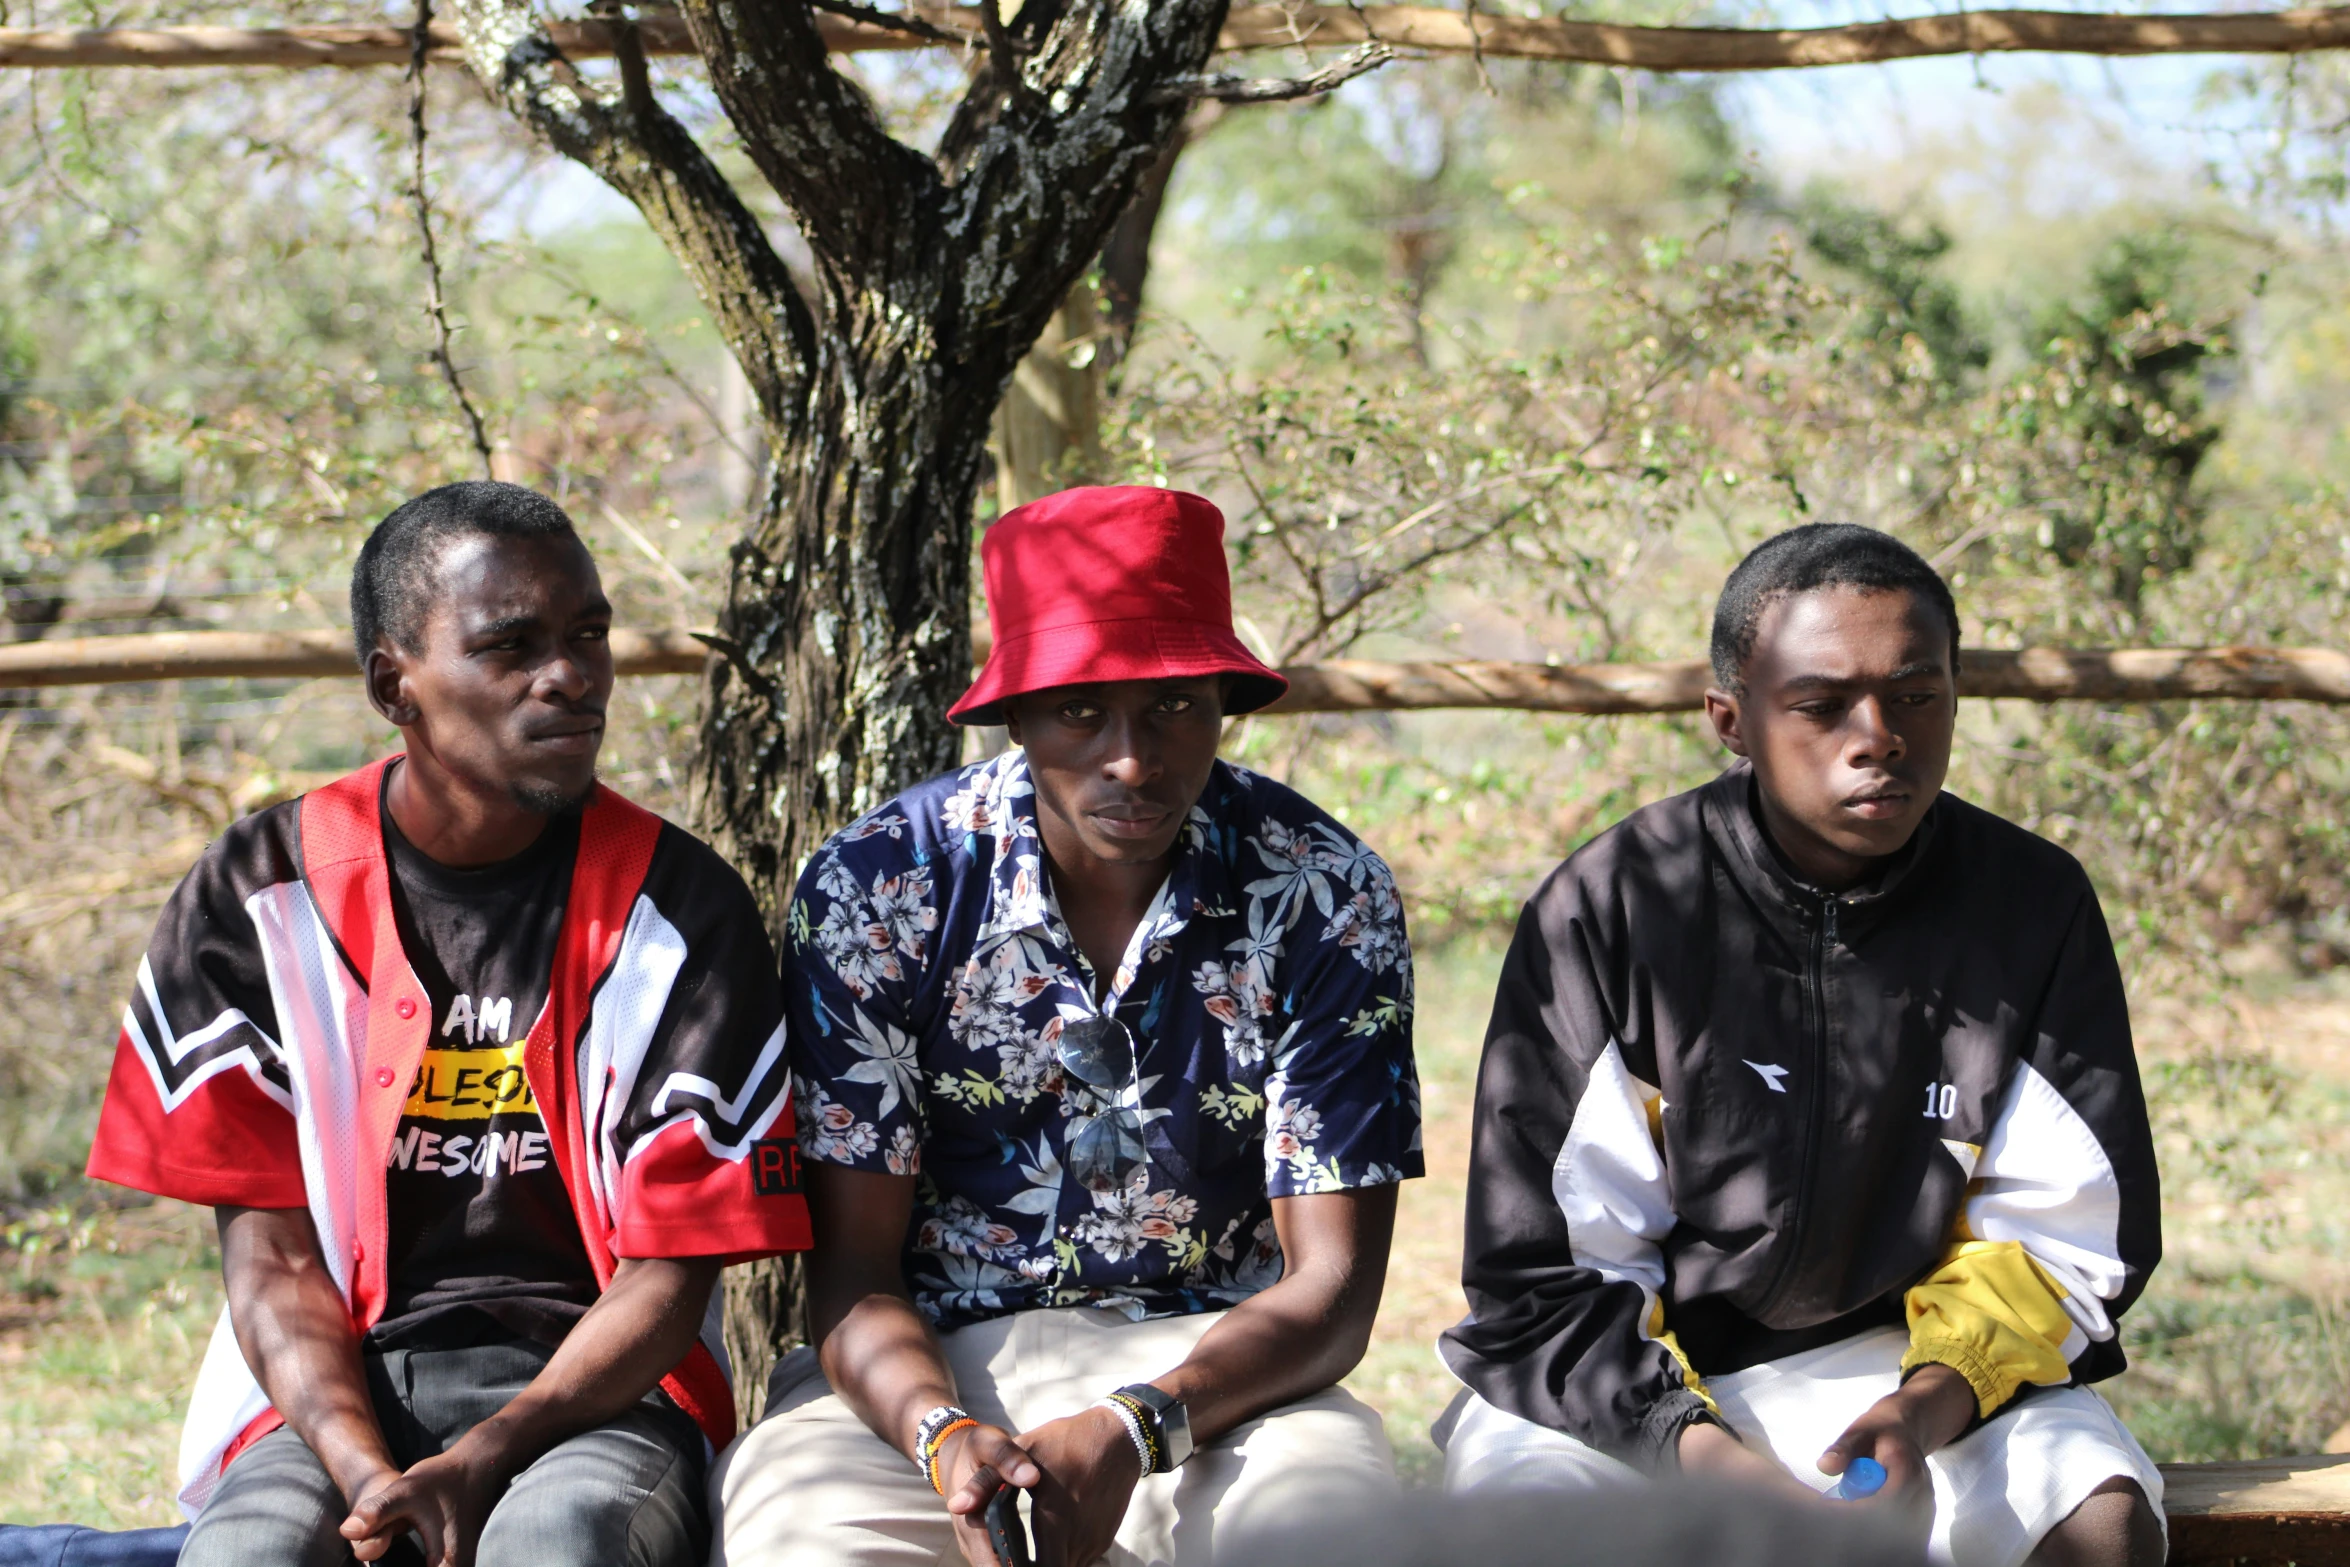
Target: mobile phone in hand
(1007, 1536)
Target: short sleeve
(864, 922)
(199, 1105)
(705, 1142)
(1342, 1103)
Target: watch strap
(1165, 1421)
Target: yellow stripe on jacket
(1689, 1377)
(1993, 1315)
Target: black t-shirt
(484, 1244)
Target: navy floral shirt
(1268, 989)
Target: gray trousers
(628, 1492)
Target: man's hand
(445, 1500)
(1083, 1471)
(972, 1466)
(1925, 1414)
(1090, 1472)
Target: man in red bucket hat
(1104, 1049)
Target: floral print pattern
(1269, 990)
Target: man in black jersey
(481, 1067)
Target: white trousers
(811, 1486)
(1997, 1491)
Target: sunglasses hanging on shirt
(1098, 1051)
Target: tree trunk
(846, 629)
(847, 637)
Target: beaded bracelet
(1124, 1410)
(931, 1435)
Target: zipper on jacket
(1815, 985)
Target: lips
(1879, 803)
(1132, 822)
(570, 740)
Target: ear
(388, 691)
(1011, 712)
(1722, 711)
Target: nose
(1130, 752)
(563, 679)
(1872, 735)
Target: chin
(1126, 851)
(548, 796)
(1878, 839)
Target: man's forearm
(883, 1360)
(1278, 1346)
(1306, 1331)
(877, 1351)
(295, 1331)
(633, 1336)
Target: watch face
(1175, 1421)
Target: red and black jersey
(278, 1034)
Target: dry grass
(1401, 1376)
(103, 1320)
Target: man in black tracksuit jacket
(1758, 1098)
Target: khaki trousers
(811, 1486)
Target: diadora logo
(1770, 1075)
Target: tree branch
(911, 25)
(1225, 88)
(435, 302)
(1088, 125)
(641, 151)
(1423, 28)
(1003, 54)
(815, 139)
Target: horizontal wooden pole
(1431, 29)
(300, 47)
(267, 655)
(1788, 48)
(1678, 686)
(1341, 686)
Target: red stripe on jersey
(680, 1200)
(222, 1164)
(350, 878)
(700, 1389)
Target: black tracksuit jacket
(1723, 1118)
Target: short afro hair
(392, 585)
(1817, 555)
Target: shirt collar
(1001, 794)
(1736, 814)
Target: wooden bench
(2271, 1511)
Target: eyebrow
(1912, 671)
(506, 625)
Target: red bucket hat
(1113, 582)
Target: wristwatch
(1165, 1421)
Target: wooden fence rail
(1340, 686)
(1425, 28)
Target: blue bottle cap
(1862, 1477)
